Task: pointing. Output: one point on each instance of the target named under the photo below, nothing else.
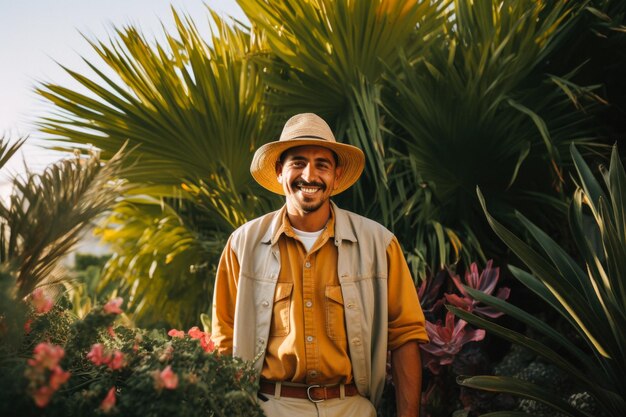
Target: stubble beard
(312, 206)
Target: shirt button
(350, 305)
(356, 341)
(307, 264)
(309, 339)
(265, 303)
(313, 374)
(261, 341)
(308, 303)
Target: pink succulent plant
(446, 341)
(485, 282)
(428, 292)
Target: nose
(308, 173)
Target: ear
(338, 172)
(279, 171)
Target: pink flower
(195, 333)
(41, 302)
(58, 377)
(109, 401)
(205, 338)
(96, 355)
(45, 362)
(117, 361)
(111, 332)
(113, 306)
(486, 282)
(167, 354)
(165, 379)
(207, 344)
(176, 333)
(46, 355)
(446, 341)
(27, 328)
(42, 396)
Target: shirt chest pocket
(335, 324)
(282, 306)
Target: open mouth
(309, 188)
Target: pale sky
(36, 33)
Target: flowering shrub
(69, 367)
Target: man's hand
(406, 369)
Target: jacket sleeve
(406, 318)
(224, 299)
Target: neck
(309, 221)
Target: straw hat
(302, 130)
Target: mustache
(302, 183)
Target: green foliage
(156, 261)
(47, 213)
(480, 110)
(591, 296)
(83, 261)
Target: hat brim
(263, 168)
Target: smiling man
(317, 295)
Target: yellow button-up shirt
(307, 342)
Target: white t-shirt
(307, 238)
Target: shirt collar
(281, 225)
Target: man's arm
(406, 370)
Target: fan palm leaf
(480, 111)
(193, 107)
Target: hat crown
(307, 126)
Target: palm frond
(47, 214)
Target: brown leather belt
(313, 393)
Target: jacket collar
(343, 229)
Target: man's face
(308, 175)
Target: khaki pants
(355, 406)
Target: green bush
(59, 365)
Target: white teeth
(309, 190)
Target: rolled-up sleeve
(406, 318)
(224, 298)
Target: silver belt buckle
(308, 393)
